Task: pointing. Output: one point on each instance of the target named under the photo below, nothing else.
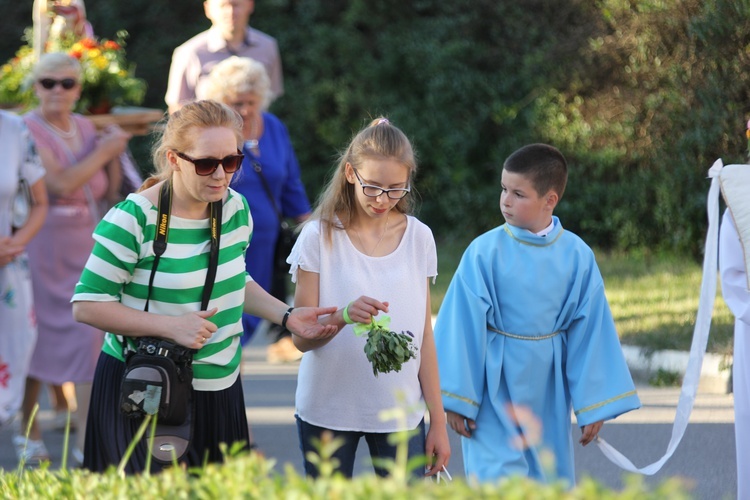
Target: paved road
(705, 457)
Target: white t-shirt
(336, 388)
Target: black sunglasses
(66, 83)
(207, 166)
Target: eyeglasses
(50, 83)
(375, 191)
(207, 166)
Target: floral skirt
(18, 334)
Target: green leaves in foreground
(386, 349)
(251, 476)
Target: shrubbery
(642, 96)
(251, 476)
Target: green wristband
(347, 319)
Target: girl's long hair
(380, 140)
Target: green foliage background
(641, 95)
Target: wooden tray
(137, 121)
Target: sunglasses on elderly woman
(50, 83)
(207, 166)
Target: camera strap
(259, 170)
(162, 233)
(160, 244)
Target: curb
(716, 372)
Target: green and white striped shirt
(120, 266)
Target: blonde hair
(236, 75)
(178, 133)
(380, 140)
(52, 62)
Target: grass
(654, 298)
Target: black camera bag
(158, 379)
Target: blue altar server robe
(525, 324)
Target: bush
(641, 96)
(251, 476)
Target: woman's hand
(114, 139)
(303, 321)
(364, 308)
(9, 250)
(193, 329)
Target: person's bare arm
(303, 321)
(437, 445)
(306, 294)
(190, 330)
(64, 181)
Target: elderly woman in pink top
(82, 175)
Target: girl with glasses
(196, 157)
(362, 250)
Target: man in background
(229, 35)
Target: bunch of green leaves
(386, 349)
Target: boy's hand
(462, 425)
(590, 432)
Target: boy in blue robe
(525, 335)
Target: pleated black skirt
(218, 417)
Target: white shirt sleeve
(733, 273)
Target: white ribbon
(700, 338)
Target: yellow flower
(107, 76)
(101, 62)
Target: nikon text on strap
(162, 233)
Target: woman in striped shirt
(112, 292)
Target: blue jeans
(378, 443)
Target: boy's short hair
(543, 165)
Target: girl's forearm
(429, 379)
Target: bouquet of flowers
(107, 77)
(386, 350)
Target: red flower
(111, 45)
(4, 375)
(76, 53)
(88, 43)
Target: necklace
(369, 254)
(69, 134)
(252, 144)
